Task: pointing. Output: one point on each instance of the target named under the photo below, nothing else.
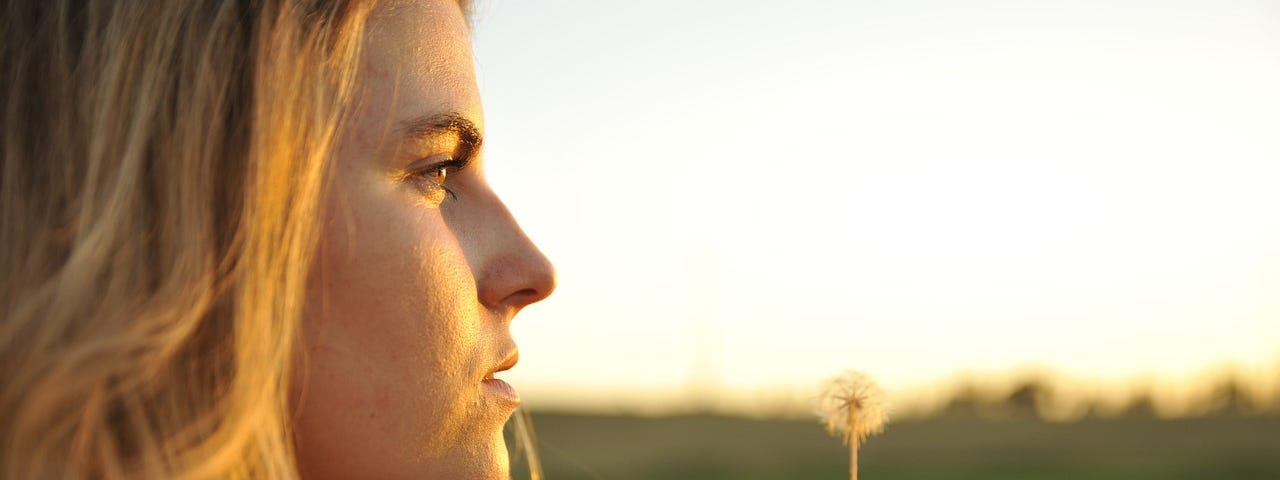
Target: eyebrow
(451, 123)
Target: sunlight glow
(750, 196)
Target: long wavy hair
(160, 173)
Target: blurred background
(1048, 228)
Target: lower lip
(501, 389)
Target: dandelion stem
(853, 461)
(853, 442)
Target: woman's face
(420, 271)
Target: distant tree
(1142, 405)
(1229, 396)
(1029, 397)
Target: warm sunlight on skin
(751, 195)
(421, 270)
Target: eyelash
(446, 167)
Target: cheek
(390, 329)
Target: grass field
(949, 447)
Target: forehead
(417, 61)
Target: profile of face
(420, 271)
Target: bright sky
(747, 195)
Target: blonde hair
(162, 164)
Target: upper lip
(507, 364)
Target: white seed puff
(852, 406)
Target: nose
(511, 272)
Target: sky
(744, 197)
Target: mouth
(500, 389)
(508, 364)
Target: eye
(433, 178)
(438, 175)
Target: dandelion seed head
(852, 406)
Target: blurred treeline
(990, 427)
(1054, 398)
(1026, 425)
(960, 446)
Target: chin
(487, 460)
(500, 464)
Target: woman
(251, 239)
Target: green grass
(698, 447)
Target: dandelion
(852, 406)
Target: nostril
(527, 296)
(539, 287)
(517, 281)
